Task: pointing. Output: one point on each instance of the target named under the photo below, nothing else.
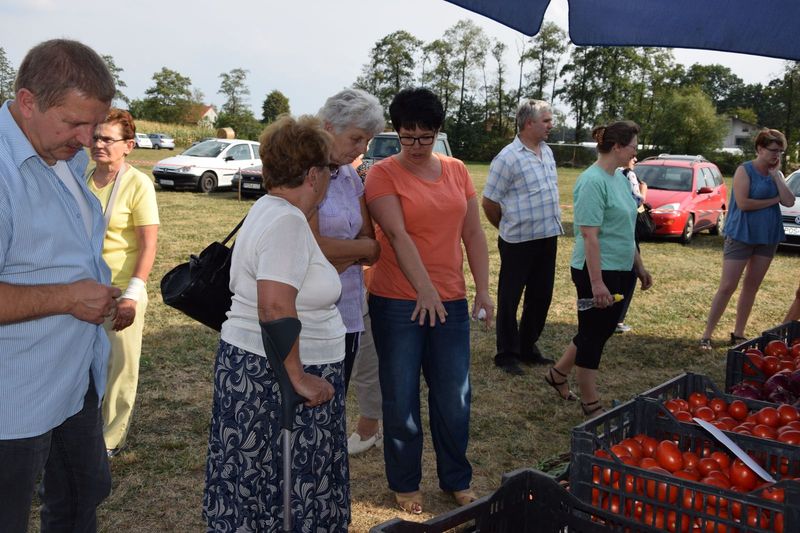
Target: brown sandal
(592, 409)
(464, 497)
(410, 502)
(550, 380)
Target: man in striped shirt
(55, 292)
(521, 199)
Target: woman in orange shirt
(425, 206)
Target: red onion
(746, 390)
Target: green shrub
(184, 135)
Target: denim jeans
(442, 353)
(76, 474)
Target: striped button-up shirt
(45, 362)
(526, 187)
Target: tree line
(681, 109)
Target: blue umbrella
(766, 28)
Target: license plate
(251, 185)
(791, 230)
(166, 182)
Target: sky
(307, 49)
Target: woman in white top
(279, 271)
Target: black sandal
(735, 339)
(591, 412)
(550, 380)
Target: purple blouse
(340, 218)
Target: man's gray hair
(353, 108)
(530, 110)
(53, 68)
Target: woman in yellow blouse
(128, 199)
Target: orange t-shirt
(434, 213)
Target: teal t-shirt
(605, 201)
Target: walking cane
(278, 337)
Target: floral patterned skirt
(244, 469)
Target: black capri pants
(596, 326)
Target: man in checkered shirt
(521, 200)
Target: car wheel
(157, 147)
(207, 182)
(719, 226)
(688, 230)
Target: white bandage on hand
(134, 289)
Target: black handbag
(200, 288)
(645, 226)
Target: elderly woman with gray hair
(344, 232)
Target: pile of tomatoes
(777, 355)
(715, 469)
(781, 423)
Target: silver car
(162, 140)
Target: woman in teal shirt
(602, 260)
(752, 232)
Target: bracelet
(134, 289)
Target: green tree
(717, 81)
(275, 104)
(581, 91)
(245, 125)
(655, 76)
(168, 100)
(235, 91)
(545, 51)
(688, 123)
(502, 102)
(469, 45)
(7, 77)
(440, 77)
(390, 67)
(115, 71)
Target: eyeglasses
(776, 151)
(105, 141)
(425, 140)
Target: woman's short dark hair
(417, 107)
(766, 136)
(53, 68)
(125, 121)
(620, 132)
(289, 147)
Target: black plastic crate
(786, 332)
(683, 385)
(587, 473)
(739, 368)
(528, 501)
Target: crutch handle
(278, 337)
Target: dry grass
(516, 422)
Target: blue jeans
(76, 474)
(442, 353)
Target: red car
(687, 194)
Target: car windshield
(383, 147)
(665, 178)
(206, 149)
(793, 182)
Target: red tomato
(692, 499)
(691, 475)
(672, 522)
(788, 413)
(682, 404)
(669, 456)
(648, 463)
(690, 460)
(672, 406)
(771, 365)
(711, 499)
(705, 413)
(790, 437)
(765, 432)
(706, 465)
(683, 416)
(634, 448)
(795, 349)
(722, 458)
(649, 445)
(664, 492)
(773, 493)
(742, 476)
(697, 399)
(620, 450)
(786, 364)
(768, 416)
(756, 363)
(719, 406)
(719, 474)
(738, 410)
(776, 348)
(727, 423)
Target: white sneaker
(622, 328)
(356, 445)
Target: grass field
(516, 421)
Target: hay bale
(226, 133)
